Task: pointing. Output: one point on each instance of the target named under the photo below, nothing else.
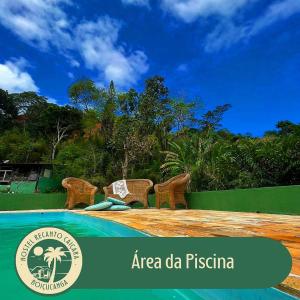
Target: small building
(41, 272)
(25, 177)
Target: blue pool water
(14, 226)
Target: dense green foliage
(104, 135)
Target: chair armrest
(93, 189)
(149, 187)
(65, 185)
(105, 189)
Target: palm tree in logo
(53, 255)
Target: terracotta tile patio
(205, 223)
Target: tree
(84, 94)
(84, 159)
(288, 128)
(18, 146)
(154, 103)
(91, 124)
(191, 156)
(128, 103)
(135, 147)
(26, 101)
(128, 143)
(154, 110)
(52, 255)
(211, 119)
(61, 133)
(176, 159)
(143, 135)
(183, 113)
(108, 113)
(202, 156)
(8, 110)
(55, 123)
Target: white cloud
(136, 2)
(190, 10)
(70, 75)
(38, 22)
(227, 33)
(74, 63)
(224, 36)
(278, 11)
(14, 78)
(44, 24)
(182, 68)
(52, 100)
(97, 43)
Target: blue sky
(242, 52)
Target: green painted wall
(35, 201)
(31, 201)
(282, 200)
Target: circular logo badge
(49, 260)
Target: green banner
(182, 263)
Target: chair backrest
(74, 183)
(138, 184)
(135, 185)
(184, 178)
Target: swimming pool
(14, 226)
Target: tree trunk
(125, 165)
(53, 152)
(51, 280)
(61, 133)
(94, 159)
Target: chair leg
(146, 205)
(70, 205)
(172, 201)
(92, 200)
(67, 200)
(157, 202)
(70, 202)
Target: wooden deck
(205, 223)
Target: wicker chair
(172, 191)
(138, 191)
(78, 191)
